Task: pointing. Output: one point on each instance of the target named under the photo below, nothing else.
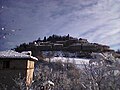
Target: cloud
(96, 20)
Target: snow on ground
(79, 62)
(59, 53)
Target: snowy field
(79, 62)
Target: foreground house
(13, 64)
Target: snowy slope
(79, 62)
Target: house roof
(11, 54)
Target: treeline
(55, 38)
(30, 46)
(52, 39)
(62, 43)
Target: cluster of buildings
(13, 64)
(73, 44)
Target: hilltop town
(59, 62)
(81, 46)
(64, 43)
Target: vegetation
(62, 43)
(64, 77)
(55, 38)
(99, 75)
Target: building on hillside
(71, 41)
(105, 48)
(44, 47)
(44, 43)
(83, 40)
(90, 47)
(13, 64)
(57, 47)
(61, 42)
(75, 47)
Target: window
(6, 64)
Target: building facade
(13, 65)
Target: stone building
(75, 47)
(13, 64)
(57, 47)
(44, 47)
(81, 40)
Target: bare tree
(98, 75)
(101, 75)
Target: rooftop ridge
(14, 54)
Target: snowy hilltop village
(60, 63)
(65, 46)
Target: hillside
(81, 47)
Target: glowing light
(2, 28)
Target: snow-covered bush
(64, 76)
(101, 75)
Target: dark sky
(26, 20)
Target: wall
(30, 70)
(17, 67)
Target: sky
(26, 20)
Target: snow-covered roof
(15, 55)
